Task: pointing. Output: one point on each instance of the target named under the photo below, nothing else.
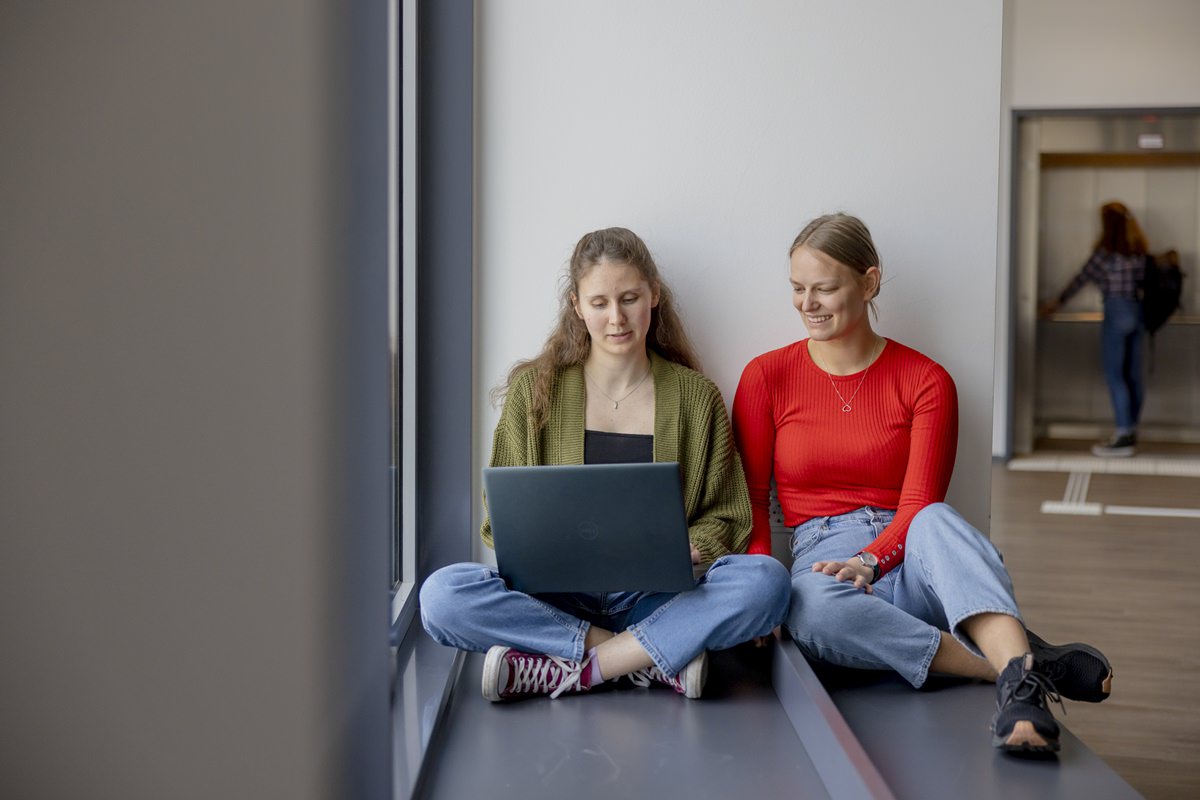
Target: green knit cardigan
(691, 426)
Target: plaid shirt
(1115, 274)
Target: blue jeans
(1121, 340)
(469, 606)
(950, 572)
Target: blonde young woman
(615, 382)
(859, 433)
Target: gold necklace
(615, 401)
(846, 404)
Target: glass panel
(395, 289)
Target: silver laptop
(590, 528)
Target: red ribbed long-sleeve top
(895, 449)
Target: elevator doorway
(1066, 165)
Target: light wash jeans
(1121, 337)
(469, 606)
(950, 572)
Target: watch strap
(874, 567)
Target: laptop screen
(590, 527)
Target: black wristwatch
(869, 560)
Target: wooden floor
(1127, 585)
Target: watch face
(869, 559)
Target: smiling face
(615, 302)
(831, 297)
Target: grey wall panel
(358, 610)
(1070, 379)
(1173, 384)
(445, 252)
(1172, 220)
(1125, 185)
(193, 592)
(1067, 233)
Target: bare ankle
(596, 636)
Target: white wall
(1086, 54)
(1102, 53)
(716, 130)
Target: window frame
(402, 205)
(431, 172)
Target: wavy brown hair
(1120, 232)
(569, 344)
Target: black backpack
(1162, 288)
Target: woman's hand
(855, 571)
(695, 554)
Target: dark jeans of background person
(1121, 340)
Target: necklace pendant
(615, 404)
(847, 408)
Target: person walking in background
(1117, 266)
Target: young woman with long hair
(1116, 266)
(615, 382)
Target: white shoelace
(645, 676)
(536, 675)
